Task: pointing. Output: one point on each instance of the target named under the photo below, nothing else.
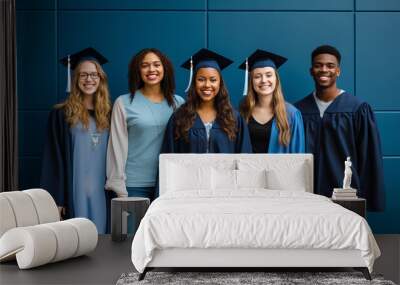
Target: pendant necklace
(94, 135)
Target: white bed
(247, 210)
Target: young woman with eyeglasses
(74, 159)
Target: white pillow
(283, 172)
(227, 179)
(293, 179)
(188, 177)
(251, 178)
(223, 179)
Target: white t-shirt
(322, 105)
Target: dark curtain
(8, 98)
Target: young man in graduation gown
(337, 125)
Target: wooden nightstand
(357, 205)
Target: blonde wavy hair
(73, 106)
(278, 107)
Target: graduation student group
(95, 151)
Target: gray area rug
(232, 278)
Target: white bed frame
(250, 258)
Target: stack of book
(343, 194)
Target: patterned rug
(243, 278)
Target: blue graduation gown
(219, 142)
(296, 144)
(73, 168)
(347, 128)
(89, 148)
(56, 175)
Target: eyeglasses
(85, 75)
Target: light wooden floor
(110, 260)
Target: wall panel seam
(206, 29)
(377, 11)
(130, 10)
(209, 10)
(35, 10)
(279, 10)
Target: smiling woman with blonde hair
(74, 158)
(74, 106)
(275, 126)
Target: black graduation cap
(260, 58)
(85, 54)
(205, 58)
(72, 61)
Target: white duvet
(252, 218)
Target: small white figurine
(347, 174)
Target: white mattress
(252, 218)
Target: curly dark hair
(167, 83)
(185, 116)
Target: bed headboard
(297, 166)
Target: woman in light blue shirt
(138, 123)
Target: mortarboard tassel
(246, 79)
(69, 76)
(190, 75)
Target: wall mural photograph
(204, 141)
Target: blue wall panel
(133, 4)
(368, 41)
(303, 5)
(31, 132)
(36, 62)
(291, 38)
(29, 172)
(388, 221)
(130, 32)
(388, 124)
(378, 59)
(378, 5)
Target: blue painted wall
(365, 31)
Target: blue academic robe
(57, 161)
(219, 142)
(347, 128)
(73, 168)
(296, 144)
